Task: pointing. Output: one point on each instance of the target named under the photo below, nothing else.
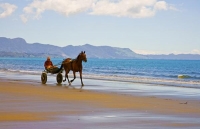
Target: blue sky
(144, 26)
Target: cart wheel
(44, 78)
(59, 78)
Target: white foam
(132, 79)
(148, 80)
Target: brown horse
(75, 65)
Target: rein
(59, 64)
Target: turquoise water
(145, 68)
(165, 72)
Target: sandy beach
(26, 104)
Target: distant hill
(18, 47)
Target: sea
(177, 73)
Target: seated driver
(49, 66)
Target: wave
(3, 69)
(183, 76)
(146, 73)
(147, 80)
(31, 72)
(175, 81)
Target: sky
(144, 26)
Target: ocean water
(181, 73)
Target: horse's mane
(79, 55)
(77, 58)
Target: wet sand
(26, 104)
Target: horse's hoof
(82, 86)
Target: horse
(75, 65)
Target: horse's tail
(61, 67)
(57, 70)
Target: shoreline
(25, 101)
(173, 82)
(117, 86)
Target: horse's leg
(68, 80)
(65, 76)
(81, 78)
(74, 76)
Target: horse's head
(82, 56)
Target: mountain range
(18, 47)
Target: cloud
(161, 5)
(65, 7)
(147, 52)
(124, 8)
(8, 9)
(118, 8)
(24, 18)
(129, 8)
(195, 51)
